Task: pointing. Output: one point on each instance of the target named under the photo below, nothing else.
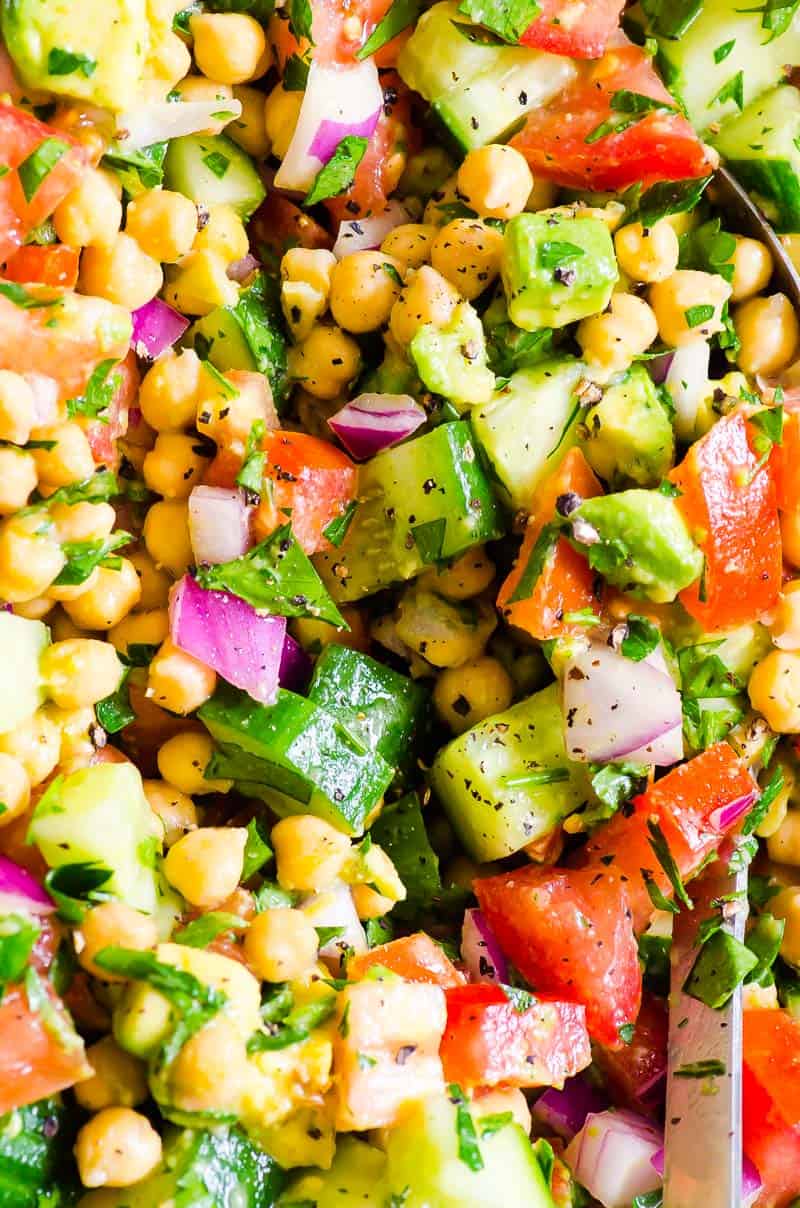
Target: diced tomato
(308, 481)
(279, 224)
(415, 957)
(567, 582)
(685, 804)
(635, 1073)
(730, 503)
(770, 1117)
(340, 28)
(103, 436)
(489, 1041)
(52, 264)
(27, 200)
(657, 145)
(62, 335)
(569, 933)
(786, 460)
(574, 28)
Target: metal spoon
(743, 215)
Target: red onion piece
(240, 270)
(366, 234)
(612, 1156)
(564, 1111)
(335, 908)
(373, 422)
(728, 815)
(158, 121)
(614, 707)
(226, 633)
(20, 891)
(45, 399)
(658, 367)
(330, 134)
(295, 669)
(219, 524)
(662, 752)
(156, 327)
(751, 1183)
(481, 951)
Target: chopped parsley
(469, 1151)
(339, 172)
(34, 170)
(65, 62)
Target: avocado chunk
(556, 269)
(638, 541)
(627, 437)
(451, 360)
(94, 51)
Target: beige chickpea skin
(467, 254)
(205, 865)
(109, 924)
(364, 288)
(117, 1148)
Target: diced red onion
(751, 1183)
(662, 752)
(481, 951)
(227, 634)
(373, 422)
(45, 399)
(366, 234)
(219, 524)
(295, 669)
(348, 98)
(614, 707)
(156, 327)
(564, 1111)
(612, 1156)
(158, 121)
(20, 892)
(240, 270)
(728, 815)
(687, 383)
(658, 367)
(335, 908)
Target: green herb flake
(429, 539)
(251, 475)
(337, 529)
(401, 15)
(770, 791)
(733, 90)
(712, 1068)
(301, 19)
(660, 846)
(257, 851)
(339, 172)
(509, 19)
(642, 637)
(76, 887)
(217, 163)
(722, 51)
(208, 927)
(543, 550)
(295, 74)
(553, 253)
(695, 315)
(66, 62)
(721, 965)
(34, 170)
(491, 1124)
(21, 297)
(17, 937)
(469, 1150)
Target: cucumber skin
(186, 171)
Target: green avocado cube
(638, 541)
(627, 436)
(556, 269)
(451, 360)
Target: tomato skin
(334, 22)
(102, 436)
(20, 135)
(660, 146)
(771, 1127)
(731, 508)
(415, 957)
(772, 1055)
(574, 28)
(489, 1042)
(378, 174)
(567, 582)
(569, 933)
(279, 224)
(683, 803)
(786, 459)
(53, 264)
(636, 1071)
(309, 476)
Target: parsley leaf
(641, 638)
(22, 297)
(114, 712)
(294, 1027)
(723, 50)
(36, 167)
(761, 808)
(83, 556)
(204, 930)
(507, 18)
(76, 887)
(721, 965)
(769, 432)
(469, 1151)
(251, 475)
(339, 172)
(65, 62)
(99, 394)
(695, 315)
(660, 846)
(336, 530)
(217, 163)
(257, 850)
(400, 16)
(543, 550)
(18, 934)
(552, 253)
(301, 19)
(733, 90)
(669, 197)
(295, 74)
(98, 488)
(429, 539)
(711, 1068)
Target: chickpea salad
(399, 595)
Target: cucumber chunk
(212, 170)
(761, 149)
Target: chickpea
(211, 1072)
(436, 212)
(611, 340)
(114, 594)
(281, 111)
(314, 635)
(163, 223)
(120, 272)
(410, 243)
(495, 181)
(785, 624)
(249, 130)
(91, 214)
(168, 61)
(70, 460)
(542, 196)
(75, 726)
(426, 298)
(36, 744)
(35, 610)
(83, 521)
(166, 535)
(117, 1148)
(769, 331)
(465, 695)
(119, 1080)
(223, 234)
(310, 854)
(63, 627)
(364, 288)
(305, 287)
(198, 88)
(200, 283)
(30, 559)
(426, 171)
(230, 47)
(790, 536)
(177, 681)
(441, 632)
(205, 865)
(774, 690)
(783, 845)
(182, 760)
(650, 254)
(786, 905)
(174, 465)
(155, 583)
(467, 254)
(470, 574)
(15, 788)
(326, 361)
(16, 407)
(175, 809)
(109, 924)
(80, 672)
(18, 479)
(140, 628)
(281, 945)
(227, 415)
(683, 299)
(752, 268)
(169, 391)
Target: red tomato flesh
(415, 957)
(310, 482)
(635, 1073)
(53, 264)
(579, 29)
(771, 1089)
(488, 1041)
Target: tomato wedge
(489, 1040)
(729, 500)
(279, 224)
(569, 933)
(635, 1073)
(104, 434)
(567, 582)
(415, 957)
(52, 264)
(380, 170)
(771, 1111)
(309, 481)
(584, 139)
(686, 804)
(339, 28)
(573, 27)
(45, 164)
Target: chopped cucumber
(21, 645)
(761, 149)
(355, 1180)
(212, 170)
